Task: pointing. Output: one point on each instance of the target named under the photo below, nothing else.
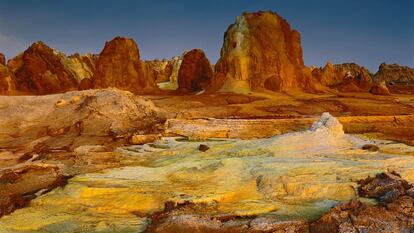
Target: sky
(367, 32)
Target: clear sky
(367, 32)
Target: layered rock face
(169, 79)
(347, 77)
(119, 66)
(394, 212)
(157, 70)
(261, 51)
(395, 74)
(94, 114)
(43, 70)
(2, 59)
(7, 83)
(380, 89)
(39, 70)
(398, 79)
(195, 72)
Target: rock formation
(195, 72)
(347, 77)
(157, 70)
(380, 89)
(7, 81)
(261, 51)
(395, 74)
(394, 213)
(93, 114)
(2, 59)
(81, 66)
(119, 66)
(43, 70)
(399, 79)
(19, 185)
(169, 81)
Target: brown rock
(195, 72)
(398, 79)
(159, 71)
(7, 81)
(189, 217)
(386, 187)
(346, 77)
(380, 89)
(2, 59)
(139, 139)
(85, 84)
(394, 73)
(370, 147)
(119, 66)
(394, 213)
(261, 51)
(39, 70)
(18, 185)
(203, 148)
(95, 115)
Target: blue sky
(367, 32)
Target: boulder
(119, 65)
(261, 51)
(195, 72)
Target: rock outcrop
(119, 65)
(96, 116)
(189, 217)
(195, 72)
(394, 212)
(39, 70)
(7, 81)
(19, 185)
(169, 81)
(261, 51)
(43, 70)
(395, 74)
(398, 79)
(2, 59)
(380, 89)
(347, 77)
(158, 70)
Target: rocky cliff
(261, 51)
(39, 70)
(43, 70)
(7, 83)
(2, 59)
(398, 79)
(346, 77)
(394, 73)
(195, 72)
(119, 65)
